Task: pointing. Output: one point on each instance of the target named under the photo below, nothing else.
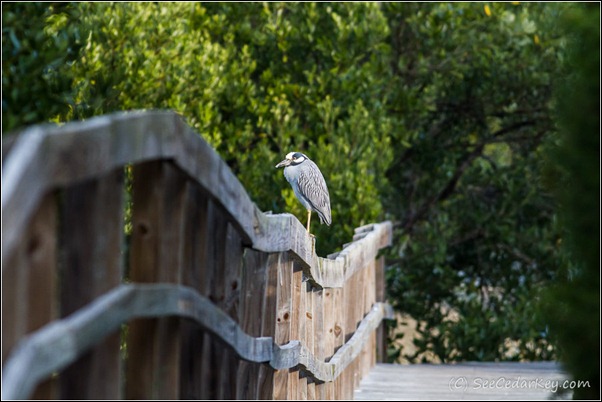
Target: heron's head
(292, 159)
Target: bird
(308, 184)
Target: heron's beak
(285, 162)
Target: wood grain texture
(59, 343)
(91, 266)
(191, 223)
(47, 157)
(463, 381)
(269, 310)
(253, 291)
(193, 268)
(158, 206)
(29, 284)
(284, 307)
(295, 353)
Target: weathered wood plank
(309, 334)
(231, 272)
(269, 310)
(59, 343)
(324, 272)
(25, 164)
(253, 284)
(381, 332)
(464, 381)
(294, 353)
(301, 318)
(213, 234)
(319, 350)
(78, 152)
(364, 356)
(295, 327)
(193, 268)
(284, 294)
(302, 389)
(7, 144)
(328, 336)
(339, 334)
(47, 157)
(354, 314)
(156, 256)
(91, 235)
(214, 368)
(369, 300)
(29, 284)
(64, 340)
(311, 390)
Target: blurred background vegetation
(473, 126)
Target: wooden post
(92, 234)
(368, 301)
(29, 284)
(381, 332)
(339, 334)
(295, 328)
(283, 319)
(269, 312)
(193, 269)
(353, 299)
(230, 272)
(155, 256)
(328, 335)
(301, 320)
(212, 285)
(309, 334)
(319, 349)
(253, 285)
(191, 220)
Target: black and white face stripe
(296, 157)
(293, 159)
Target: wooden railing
(219, 301)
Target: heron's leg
(308, 219)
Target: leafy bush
(476, 236)
(572, 304)
(432, 115)
(38, 47)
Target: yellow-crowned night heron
(308, 184)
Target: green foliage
(257, 81)
(39, 43)
(572, 305)
(432, 115)
(476, 234)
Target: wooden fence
(206, 298)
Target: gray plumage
(308, 184)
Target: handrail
(61, 342)
(296, 354)
(48, 157)
(249, 272)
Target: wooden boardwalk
(210, 297)
(482, 381)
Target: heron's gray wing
(313, 187)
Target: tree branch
(450, 187)
(513, 127)
(447, 191)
